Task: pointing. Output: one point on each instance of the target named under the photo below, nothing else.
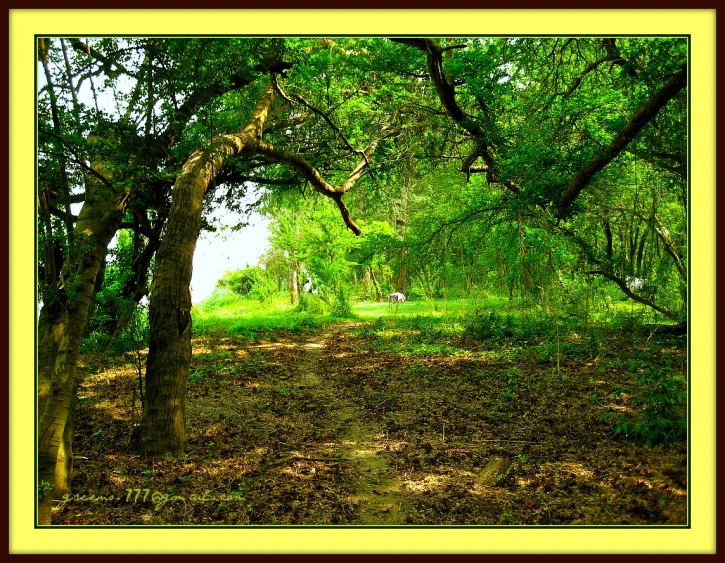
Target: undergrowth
(510, 336)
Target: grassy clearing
(435, 308)
(425, 326)
(227, 313)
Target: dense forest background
(537, 187)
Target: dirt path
(377, 491)
(334, 428)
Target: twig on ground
(512, 441)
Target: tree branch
(107, 63)
(634, 297)
(178, 122)
(314, 177)
(319, 112)
(606, 272)
(589, 68)
(68, 218)
(447, 95)
(643, 116)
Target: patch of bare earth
(326, 428)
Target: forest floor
(335, 426)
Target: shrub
(341, 306)
(252, 282)
(264, 289)
(489, 324)
(218, 299)
(311, 304)
(663, 417)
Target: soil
(325, 428)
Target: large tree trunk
(51, 323)
(167, 369)
(61, 330)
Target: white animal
(635, 284)
(308, 286)
(396, 298)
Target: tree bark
(294, 293)
(366, 282)
(61, 331)
(163, 420)
(401, 281)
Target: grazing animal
(396, 298)
(635, 284)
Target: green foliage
(228, 313)
(219, 299)
(312, 304)
(342, 307)
(196, 377)
(511, 377)
(252, 282)
(113, 298)
(545, 106)
(483, 324)
(661, 418)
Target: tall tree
(510, 143)
(129, 169)
(162, 427)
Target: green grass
(225, 312)
(422, 327)
(366, 310)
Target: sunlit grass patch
(226, 313)
(412, 308)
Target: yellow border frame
(700, 24)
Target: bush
(663, 418)
(218, 299)
(252, 282)
(264, 289)
(341, 306)
(489, 324)
(311, 304)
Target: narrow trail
(377, 492)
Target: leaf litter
(330, 428)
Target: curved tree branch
(314, 177)
(605, 271)
(641, 118)
(447, 95)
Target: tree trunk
(162, 424)
(401, 282)
(62, 331)
(366, 283)
(51, 324)
(294, 292)
(378, 293)
(469, 280)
